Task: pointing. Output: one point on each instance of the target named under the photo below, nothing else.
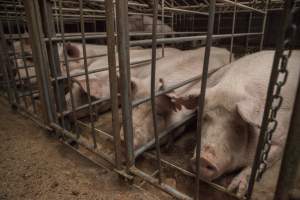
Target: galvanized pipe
(91, 110)
(153, 81)
(123, 49)
(201, 101)
(113, 81)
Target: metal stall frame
(43, 55)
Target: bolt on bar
(211, 19)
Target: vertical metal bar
(28, 79)
(40, 57)
(162, 26)
(5, 65)
(91, 110)
(232, 30)
(291, 160)
(123, 49)
(62, 29)
(113, 81)
(10, 31)
(53, 55)
(264, 25)
(153, 71)
(274, 74)
(248, 31)
(210, 30)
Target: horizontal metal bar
(190, 38)
(81, 142)
(100, 70)
(243, 6)
(185, 11)
(163, 134)
(99, 35)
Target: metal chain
(277, 99)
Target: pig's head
(142, 119)
(230, 127)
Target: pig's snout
(207, 168)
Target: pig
(99, 81)
(175, 70)
(74, 51)
(233, 114)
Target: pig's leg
(240, 182)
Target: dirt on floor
(34, 165)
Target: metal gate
(42, 42)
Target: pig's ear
(189, 102)
(95, 87)
(250, 111)
(175, 102)
(165, 104)
(72, 50)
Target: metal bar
(40, 57)
(153, 81)
(5, 64)
(18, 21)
(91, 110)
(168, 130)
(249, 30)
(291, 160)
(264, 26)
(268, 104)
(190, 38)
(123, 49)
(109, 8)
(52, 52)
(168, 189)
(62, 29)
(240, 5)
(95, 35)
(210, 29)
(185, 11)
(232, 31)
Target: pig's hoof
(240, 183)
